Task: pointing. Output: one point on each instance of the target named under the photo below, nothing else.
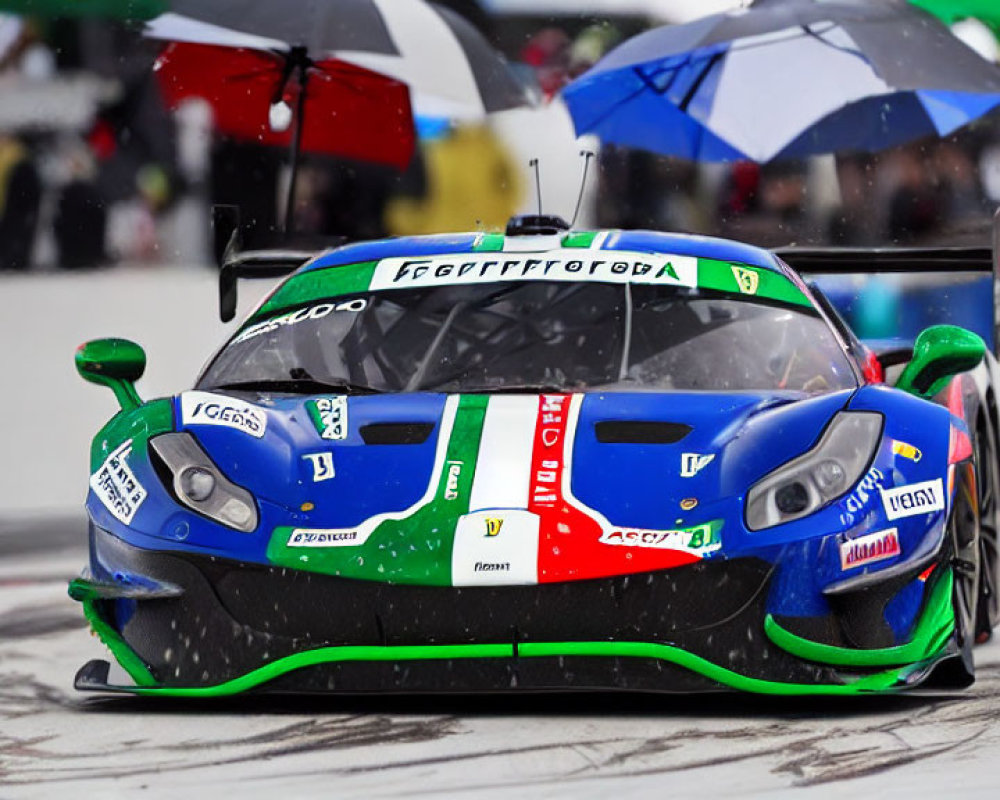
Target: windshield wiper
(627, 337)
(295, 386)
(415, 379)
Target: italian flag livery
(585, 460)
(498, 509)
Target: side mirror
(115, 363)
(940, 352)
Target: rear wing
(910, 260)
(235, 263)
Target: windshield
(542, 336)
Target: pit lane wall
(48, 414)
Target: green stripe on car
(723, 276)
(416, 549)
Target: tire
(963, 533)
(988, 491)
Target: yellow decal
(746, 279)
(493, 525)
(688, 503)
(906, 450)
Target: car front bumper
(186, 624)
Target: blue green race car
(542, 460)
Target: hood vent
(396, 432)
(640, 432)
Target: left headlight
(201, 486)
(799, 487)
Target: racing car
(544, 459)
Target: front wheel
(963, 534)
(988, 490)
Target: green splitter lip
(888, 681)
(928, 644)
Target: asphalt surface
(55, 740)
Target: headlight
(826, 472)
(198, 483)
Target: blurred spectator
(958, 179)
(547, 53)
(916, 206)
(739, 194)
(80, 221)
(133, 142)
(20, 196)
(772, 212)
(590, 45)
(348, 198)
(20, 183)
(855, 222)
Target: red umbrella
(340, 109)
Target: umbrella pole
(298, 122)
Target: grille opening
(396, 432)
(640, 432)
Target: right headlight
(200, 485)
(801, 486)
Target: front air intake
(640, 432)
(396, 432)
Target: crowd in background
(94, 169)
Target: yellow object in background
(12, 152)
(471, 184)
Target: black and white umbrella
(785, 78)
(452, 71)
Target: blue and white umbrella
(785, 78)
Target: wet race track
(53, 739)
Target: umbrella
(785, 78)
(345, 110)
(431, 49)
(339, 108)
(451, 69)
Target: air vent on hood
(640, 432)
(396, 432)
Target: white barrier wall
(48, 414)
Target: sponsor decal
(913, 499)
(329, 415)
(547, 468)
(693, 463)
(482, 558)
(451, 485)
(862, 495)
(906, 450)
(205, 408)
(315, 312)
(318, 537)
(689, 503)
(869, 548)
(618, 266)
(322, 464)
(746, 279)
(116, 486)
(703, 538)
(492, 566)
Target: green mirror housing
(115, 363)
(940, 352)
